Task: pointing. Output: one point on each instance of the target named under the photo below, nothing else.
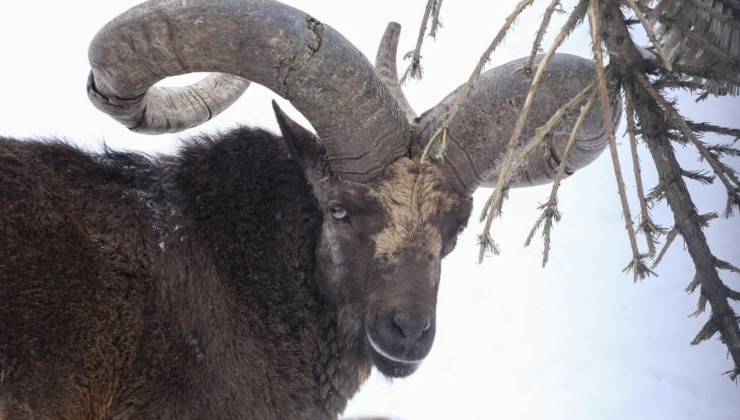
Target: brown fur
(210, 284)
(135, 288)
(413, 197)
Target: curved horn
(385, 65)
(477, 138)
(170, 109)
(321, 73)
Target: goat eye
(338, 212)
(460, 230)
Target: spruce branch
(716, 14)
(436, 23)
(695, 282)
(656, 129)
(701, 176)
(541, 133)
(720, 149)
(637, 265)
(699, 41)
(550, 210)
(486, 243)
(549, 213)
(657, 193)
(723, 172)
(510, 164)
(670, 237)
(482, 61)
(415, 70)
(650, 116)
(537, 43)
(732, 294)
(724, 265)
(647, 227)
(650, 34)
(707, 331)
(672, 83)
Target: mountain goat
(249, 275)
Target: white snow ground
(575, 340)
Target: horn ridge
(307, 62)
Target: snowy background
(574, 340)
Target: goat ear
(304, 146)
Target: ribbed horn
(478, 136)
(324, 76)
(171, 109)
(385, 65)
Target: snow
(577, 339)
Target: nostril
(411, 326)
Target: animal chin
(388, 365)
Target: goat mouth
(389, 365)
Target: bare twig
(436, 24)
(707, 331)
(542, 132)
(647, 226)
(725, 174)
(637, 265)
(689, 85)
(550, 210)
(537, 43)
(724, 265)
(509, 164)
(414, 70)
(440, 134)
(656, 130)
(650, 34)
(724, 131)
(672, 234)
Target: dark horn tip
(279, 113)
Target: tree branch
(655, 133)
(637, 265)
(537, 43)
(414, 70)
(509, 164)
(441, 134)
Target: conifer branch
(647, 227)
(650, 34)
(637, 265)
(678, 63)
(708, 8)
(537, 43)
(441, 132)
(550, 210)
(546, 129)
(510, 163)
(656, 131)
(414, 69)
(706, 127)
(724, 265)
(436, 23)
(670, 237)
(724, 173)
